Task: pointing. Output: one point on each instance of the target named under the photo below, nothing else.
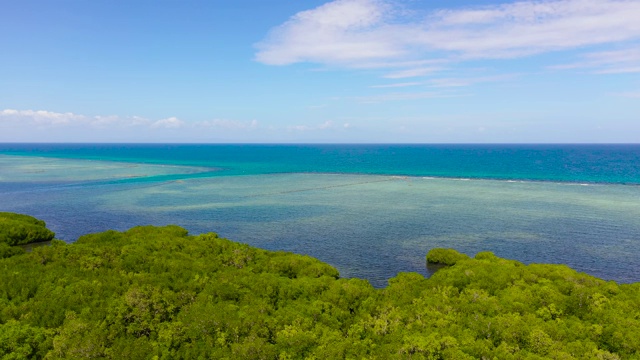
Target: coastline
(158, 291)
(370, 226)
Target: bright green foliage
(18, 229)
(22, 218)
(445, 256)
(21, 341)
(156, 292)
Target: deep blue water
(369, 210)
(619, 164)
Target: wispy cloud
(527, 28)
(409, 73)
(395, 64)
(397, 85)
(316, 107)
(608, 62)
(362, 33)
(403, 96)
(468, 81)
(630, 94)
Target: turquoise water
(369, 210)
(570, 163)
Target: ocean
(369, 210)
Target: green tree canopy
(157, 292)
(18, 229)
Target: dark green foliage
(9, 251)
(18, 229)
(447, 257)
(156, 292)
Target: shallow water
(369, 226)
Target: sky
(309, 71)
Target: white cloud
(51, 119)
(359, 33)
(168, 123)
(138, 120)
(115, 121)
(228, 124)
(42, 117)
(47, 119)
(100, 121)
(18, 125)
(9, 112)
(341, 31)
(323, 126)
(526, 28)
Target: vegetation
(156, 292)
(18, 229)
(445, 256)
(8, 251)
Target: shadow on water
(432, 268)
(31, 246)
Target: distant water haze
(369, 210)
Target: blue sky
(344, 71)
